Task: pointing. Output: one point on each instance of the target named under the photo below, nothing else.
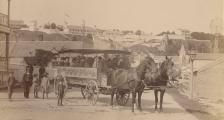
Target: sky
(148, 15)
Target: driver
(144, 65)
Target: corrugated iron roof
(212, 64)
(208, 56)
(27, 48)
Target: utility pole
(84, 27)
(216, 29)
(192, 58)
(192, 78)
(7, 39)
(216, 43)
(84, 32)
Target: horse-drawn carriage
(89, 78)
(121, 82)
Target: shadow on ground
(191, 106)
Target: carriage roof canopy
(95, 51)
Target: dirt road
(75, 108)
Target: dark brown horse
(159, 78)
(132, 80)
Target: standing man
(30, 68)
(10, 84)
(61, 85)
(144, 65)
(27, 82)
(115, 61)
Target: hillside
(172, 47)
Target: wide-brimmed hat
(45, 74)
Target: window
(4, 7)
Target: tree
(60, 27)
(125, 32)
(167, 32)
(202, 36)
(53, 26)
(47, 26)
(42, 57)
(138, 32)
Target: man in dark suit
(30, 67)
(27, 82)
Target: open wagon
(89, 78)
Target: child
(36, 85)
(61, 87)
(45, 84)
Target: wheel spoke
(92, 91)
(122, 97)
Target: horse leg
(37, 92)
(61, 101)
(161, 99)
(59, 98)
(133, 100)
(112, 97)
(62, 96)
(58, 101)
(139, 100)
(34, 93)
(47, 93)
(43, 93)
(156, 98)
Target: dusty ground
(176, 107)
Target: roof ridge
(212, 64)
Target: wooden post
(2, 78)
(7, 39)
(192, 55)
(7, 52)
(192, 79)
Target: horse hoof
(161, 110)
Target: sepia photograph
(111, 60)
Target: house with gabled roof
(209, 76)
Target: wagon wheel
(122, 98)
(91, 92)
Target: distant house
(112, 32)
(184, 32)
(17, 24)
(172, 43)
(183, 57)
(80, 30)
